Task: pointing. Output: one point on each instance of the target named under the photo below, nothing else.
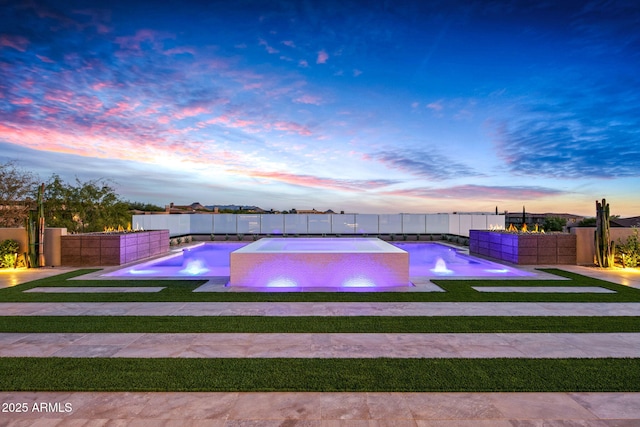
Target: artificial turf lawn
(468, 375)
(338, 324)
(456, 290)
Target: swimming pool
(212, 259)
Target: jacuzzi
(319, 263)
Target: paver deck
(319, 309)
(324, 409)
(94, 289)
(322, 345)
(328, 409)
(545, 289)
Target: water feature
(213, 260)
(319, 263)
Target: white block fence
(318, 224)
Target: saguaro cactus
(41, 260)
(35, 232)
(604, 245)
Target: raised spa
(319, 263)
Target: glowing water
(441, 267)
(213, 260)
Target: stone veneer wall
(102, 249)
(534, 249)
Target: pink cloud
(252, 86)
(289, 43)
(22, 101)
(496, 193)
(323, 56)
(308, 99)
(141, 36)
(180, 50)
(16, 42)
(302, 63)
(303, 180)
(99, 86)
(356, 72)
(45, 59)
(317, 182)
(56, 95)
(230, 122)
(50, 110)
(436, 106)
(120, 109)
(292, 127)
(269, 49)
(191, 112)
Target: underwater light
(282, 282)
(359, 282)
(134, 271)
(194, 268)
(441, 267)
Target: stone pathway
(321, 409)
(322, 345)
(546, 289)
(319, 309)
(325, 409)
(94, 289)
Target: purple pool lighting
(319, 263)
(425, 260)
(437, 260)
(204, 260)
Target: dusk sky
(362, 106)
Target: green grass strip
(456, 290)
(342, 324)
(417, 375)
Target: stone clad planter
(103, 249)
(533, 249)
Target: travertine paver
(324, 409)
(317, 409)
(319, 309)
(322, 345)
(94, 289)
(546, 289)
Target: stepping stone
(546, 289)
(216, 284)
(93, 290)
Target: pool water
(425, 260)
(434, 259)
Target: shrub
(554, 223)
(630, 250)
(587, 222)
(8, 250)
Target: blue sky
(368, 107)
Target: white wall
(371, 224)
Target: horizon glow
(365, 107)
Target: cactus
(604, 246)
(35, 232)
